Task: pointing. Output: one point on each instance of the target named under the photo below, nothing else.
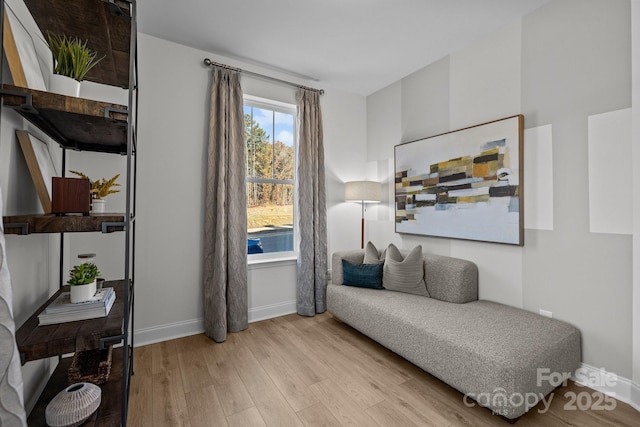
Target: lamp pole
(362, 227)
(363, 192)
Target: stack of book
(63, 310)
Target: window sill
(288, 258)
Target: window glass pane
(269, 217)
(270, 136)
(283, 151)
(282, 161)
(258, 132)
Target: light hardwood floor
(297, 371)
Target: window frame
(284, 108)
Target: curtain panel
(225, 234)
(312, 207)
(12, 413)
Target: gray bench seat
(489, 351)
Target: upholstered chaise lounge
(500, 356)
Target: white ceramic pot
(64, 85)
(97, 205)
(104, 93)
(82, 293)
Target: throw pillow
(404, 274)
(371, 255)
(362, 275)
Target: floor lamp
(363, 192)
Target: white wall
(567, 68)
(34, 271)
(172, 133)
(635, 157)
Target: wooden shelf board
(37, 342)
(50, 223)
(110, 411)
(94, 21)
(75, 123)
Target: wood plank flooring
(299, 371)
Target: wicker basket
(91, 366)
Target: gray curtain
(225, 234)
(12, 412)
(312, 207)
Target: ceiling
(358, 46)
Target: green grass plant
(71, 56)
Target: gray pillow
(404, 275)
(372, 256)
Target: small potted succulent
(82, 280)
(72, 60)
(100, 189)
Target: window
(270, 136)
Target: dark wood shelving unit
(110, 28)
(105, 25)
(75, 123)
(109, 414)
(37, 342)
(50, 223)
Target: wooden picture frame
(465, 184)
(21, 54)
(40, 165)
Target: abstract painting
(465, 184)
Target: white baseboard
(265, 312)
(167, 332)
(186, 328)
(623, 389)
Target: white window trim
(272, 258)
(276, 257)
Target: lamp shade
(363, 191)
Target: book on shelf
(63, 303)
(62, 310)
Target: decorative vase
(73, 405)
(97, 206)
(64, 85)
(82, 293)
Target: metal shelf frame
(113, 114)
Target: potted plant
(72, 60)
(82, 280)
(100, 189)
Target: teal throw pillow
(362, 275)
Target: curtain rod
(210, 63)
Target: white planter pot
(104, 93)
(64, 85)
(97, 206)
(82, 293)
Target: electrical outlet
(546, 313)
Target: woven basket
(93, 366)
